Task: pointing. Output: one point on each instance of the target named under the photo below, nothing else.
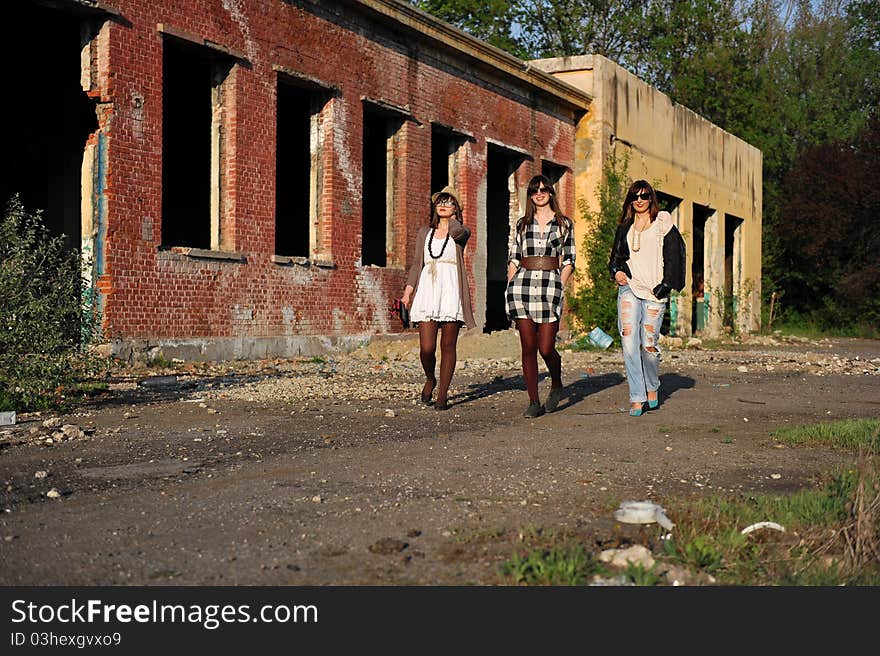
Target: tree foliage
(45, 324)
(595, 301)
(830, 245)
(798, 79)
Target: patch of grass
(581, 344)
(715, 429)
(562, 565)
(159, 362)
(804, 327)
(829, 536)
(481, 536)
(846, 433)
(728, 440)
(319, 360)
(638, 574)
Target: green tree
(555, 28)
(489, 20)
(45, 324)
(595, 301)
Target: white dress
(437, 297)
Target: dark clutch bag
(401, 311)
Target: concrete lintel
(402, 111)
(92, 8)
(304, 80)
(170, 30)
(513, 149)
(455, 132)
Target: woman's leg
(528, 340)
(448, 339)
(428, 356)
(547, 348)
(629, 320)
(652, 320)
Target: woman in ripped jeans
(647, 262)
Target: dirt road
(329, 472)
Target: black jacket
(674, 259)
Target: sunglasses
(642, 196)
(448, 202)
(542, 190)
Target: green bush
(595, 301)
(45, 322)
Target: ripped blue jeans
(638, 322)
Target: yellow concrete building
(709, 180)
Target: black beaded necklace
(431, 241)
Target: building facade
(707, 178)
(246, 177)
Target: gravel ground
(328, 471)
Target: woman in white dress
(437, 293)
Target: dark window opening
(669, 204)
(190, 77)
(731, 303)
(52, 119)
(666, 202)
(374, 222)
(444, 146)
(293, 171)
(701, 296)
(553, 172)
(500, 165)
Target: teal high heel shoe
(655, 403)
(636, 412)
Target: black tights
(539, 338)
(428, 354)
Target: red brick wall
(158, 294)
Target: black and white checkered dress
(537, 295)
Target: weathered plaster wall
(685, 156)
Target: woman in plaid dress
(541, 261)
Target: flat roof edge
(464, 43)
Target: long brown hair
(535, 183)
(435, 218)
(637, 187)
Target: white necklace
(637, 236)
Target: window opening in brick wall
(298, 169)
(444, 160)
(52, 119)
(502, 212)
(192, 144)
(379, 174)
(554, 173)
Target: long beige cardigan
(460, 235)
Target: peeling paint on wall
(347, 163)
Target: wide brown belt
(539, 263)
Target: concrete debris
(636, 554)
